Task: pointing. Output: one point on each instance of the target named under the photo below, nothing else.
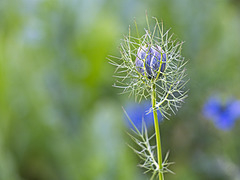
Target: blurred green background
(60, 117)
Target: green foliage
(147, 151)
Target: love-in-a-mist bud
(158, 73)
(148, 61)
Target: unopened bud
(149, 59)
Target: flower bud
(151, 57)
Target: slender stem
(157, 131)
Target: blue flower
(152, 57)
(223, 115)
(139, 113)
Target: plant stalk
(157, 131)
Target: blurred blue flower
(139, 113)
(223, 115)
(152, 56)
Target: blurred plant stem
(157, 131)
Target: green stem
(157, 131)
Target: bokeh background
(60, 117)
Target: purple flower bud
(142, 55)
(152, 57)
